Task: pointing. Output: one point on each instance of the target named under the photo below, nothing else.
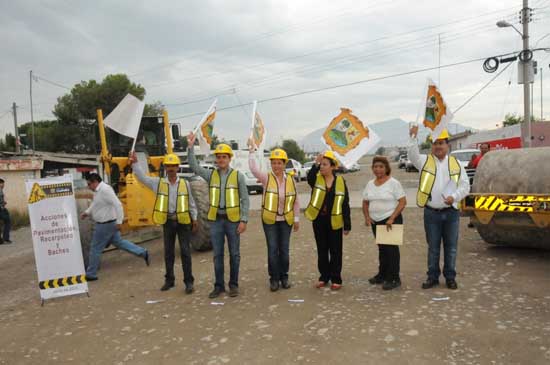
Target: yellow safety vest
(160, 212)
(232, 200)
(318, 197)
(427, 178)
(270, 204)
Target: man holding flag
(228, 211)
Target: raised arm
(260, 175)
(413, 153)
(149, 181)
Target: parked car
(296, 169)
(354, 168)
(253, 184)
(409, 167)
(307, 166)
(464, 157)
(402, 161)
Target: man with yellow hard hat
(228, 213)
(443, 184)
(176, 211)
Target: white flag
(257, 130)
(348, 138)
(436, 115)
(126, 117)
(205, 129)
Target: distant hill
(392, 132)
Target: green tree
(511, 119)
(8, 143)
(153, 109)
(427, 144)
(84, 99)
(293, 150)
(380, 151)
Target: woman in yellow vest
(280, 211)
(329, 210)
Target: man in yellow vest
(443, 184)
(176, 211)
(228, 213)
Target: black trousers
(329, 250)
(388, 255)
(183, 231)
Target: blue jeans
(219, 229)
(103, 234)
(278, 245)
(441, 225)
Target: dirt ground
(499, 315)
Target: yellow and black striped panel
(513, 203)
(40, 192)
(56, 283)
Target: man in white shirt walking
(443, 184)
(106, 210)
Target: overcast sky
(186, 51)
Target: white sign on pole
(56, 237)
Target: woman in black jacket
(330, 212)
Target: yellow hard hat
(278, 154)
(223, 148)
(171, 159)
(444, 135)
(330, 155)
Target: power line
(482, 88)
(352, 45)
(259, 38)
(52, 82)
(343, 85)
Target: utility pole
(541, 108)
(525, 19)
(32, 116)
(15, 125)
(439, 60)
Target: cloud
(185, 50)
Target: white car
(296, 169)
(307, 166)
(253, 184)
(402, 162)
(464, 157)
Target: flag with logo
(435, 113)
(205, 129)
(126, 117)
(348, 138)
(257, 130)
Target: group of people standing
(329, 210)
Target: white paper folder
(392, 237)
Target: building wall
(15, 191)
(540, 132)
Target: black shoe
(273, 285)
(430, 283)
(234, 291)
(189, 288)
(8, 241)
(285, 284)
(215, 293)
(471, 225)
(146, 258)
(392, 284)
(451, 284)
(91, 278)
(167, 285)
(377, 279)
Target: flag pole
(205, 116)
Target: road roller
(509, 202)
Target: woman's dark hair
(384, 161)
(332, 163)
(93, 177)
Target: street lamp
(505, 24)
(525, 19)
